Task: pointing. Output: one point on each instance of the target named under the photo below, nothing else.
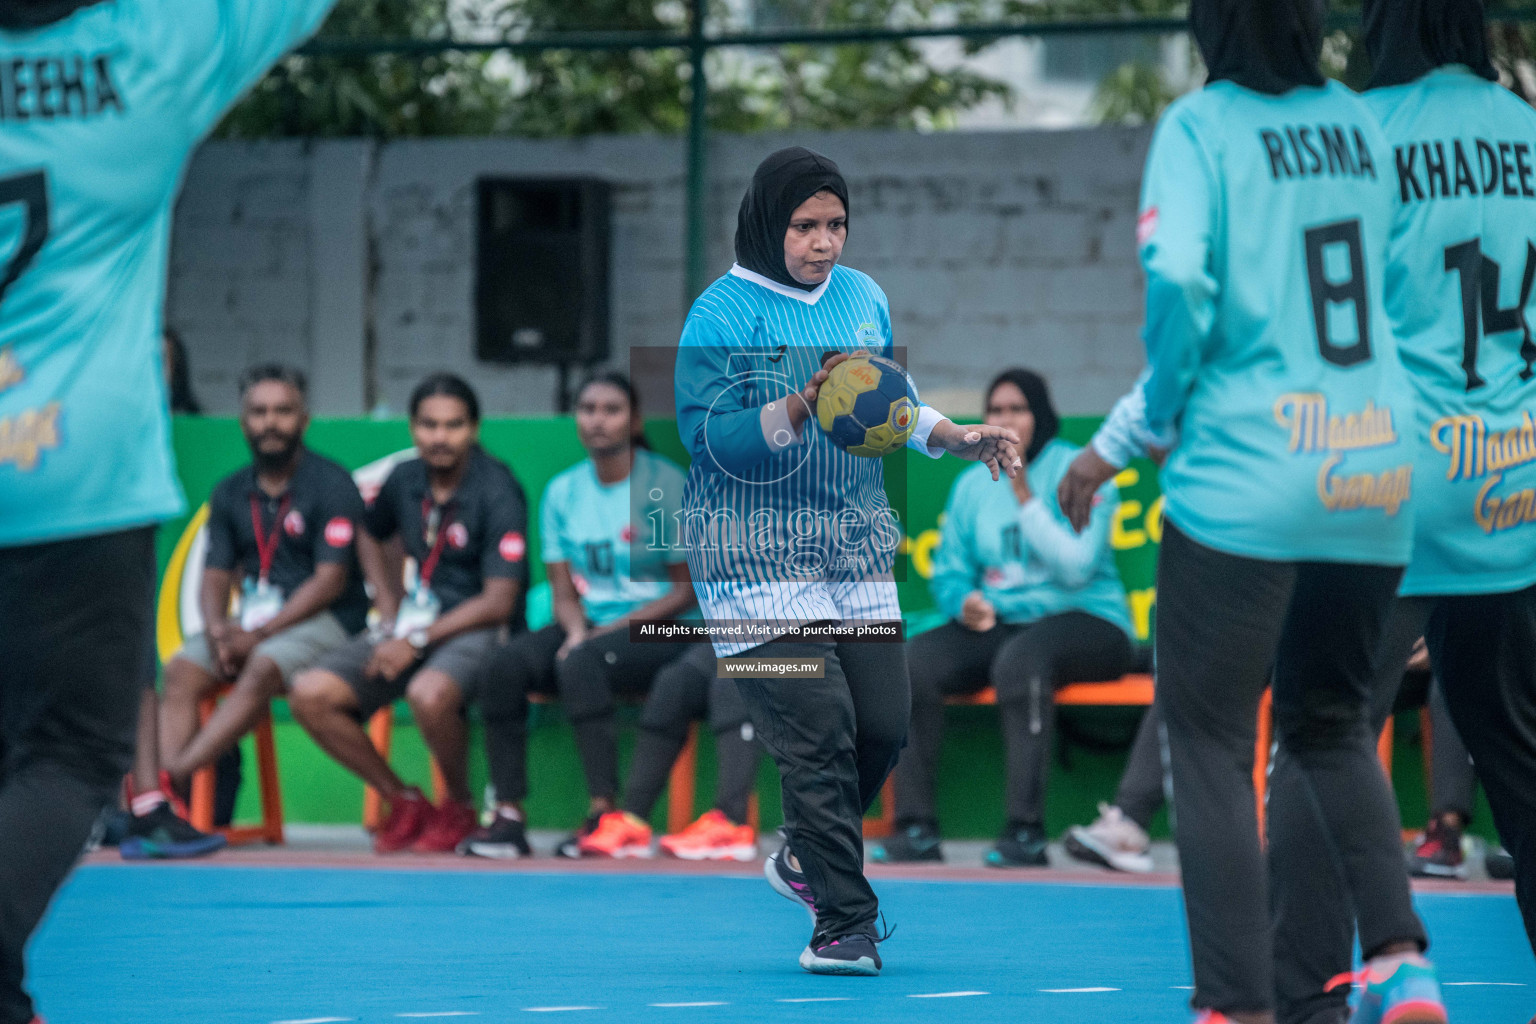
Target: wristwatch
(417, 638)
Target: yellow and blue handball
(868, 406)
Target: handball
(868, 406)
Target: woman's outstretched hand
(998, 447)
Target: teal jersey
(98, 113)
(1459, 287)
(1027, 560)
(613, 535)
(1264, 228)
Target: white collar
(810, 298)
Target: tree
(447, 93)
(578, 92)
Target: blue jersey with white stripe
(614, 536)
(1459, 288)
(1264, 230)
(98, 113)
(781, 528)
(743, 346)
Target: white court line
(818, 999)
(944, 995)
(689, 1004)
(1073, 991)
(1183, 988)
(557, 1009)
(1486, 984)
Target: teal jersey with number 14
(1459, 285)
(1264, 229)
(98, 113)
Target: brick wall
(355, 260)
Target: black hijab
(24, 14)
(1269, 46)
(1033, 387)
(780, 184)
(1407, 39)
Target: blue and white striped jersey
(1459, 287)
(98, 113)
(1264, 233)
(781, 528)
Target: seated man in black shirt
(461, 516)
(283, 532)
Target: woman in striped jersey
(786, 530)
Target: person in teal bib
(1032, 605)
(1266, 216)
(1459, 285)
(102, 104)
(608, 565)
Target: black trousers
(835, 741)
(76, 630)
(1144, 783)
(1484, 645)
(687, 690)
(1026, 663)
(1223, 621)
(1482, 648)
(1310, 902)
(586, 682)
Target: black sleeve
(341, 510)
(221, 552)
(506, 532)
(383, 516)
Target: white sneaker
(1114, 841)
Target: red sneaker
(172, 797)
(408, 816)
(447, 826)
(618, 834)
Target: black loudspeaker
(541, 270)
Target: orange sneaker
(713, 837)
(618, 834)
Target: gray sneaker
(787, 882)
(1113, 841)
(851, 954)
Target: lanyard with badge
(261, 600)
(421, 606)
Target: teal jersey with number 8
(1459, 287)
(1264, 228)
(98, 113)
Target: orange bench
(1129, 691)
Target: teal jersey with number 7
(98, 114)
(1264, 228)
(1459, 286)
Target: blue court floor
(257, 945)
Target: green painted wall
(970, 797)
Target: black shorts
(76, 644)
